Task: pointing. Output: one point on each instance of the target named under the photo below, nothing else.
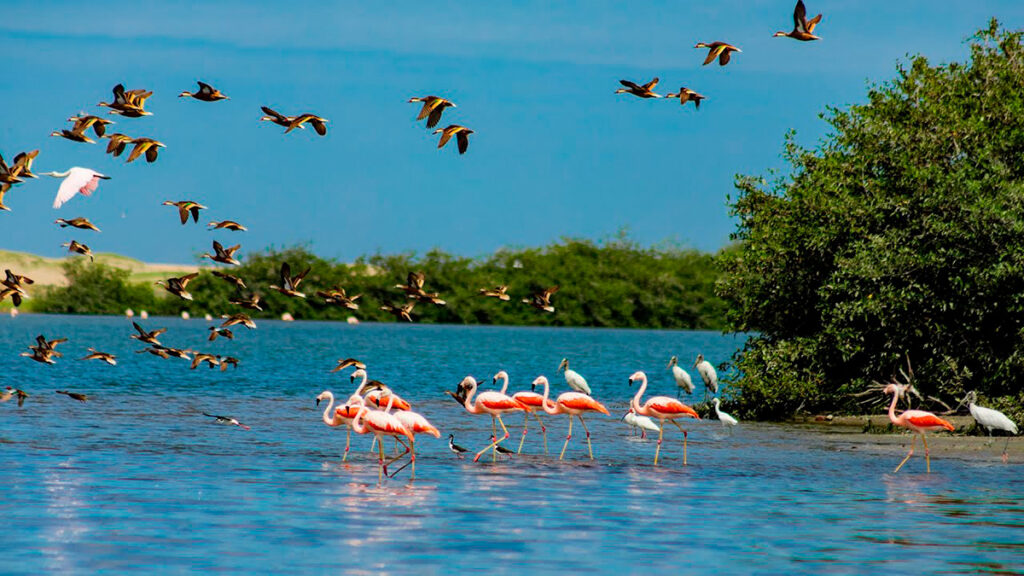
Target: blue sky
(556, 153)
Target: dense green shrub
(902, 234)
(95, 289)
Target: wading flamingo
(534, 401)
(416, 424)
(916, 420)
(343, 415)
(573, 404)
(493, 404)
(77, 180)
(663, 408)
(682, 377)
(642, 422)
(380, 424)
(380, 393)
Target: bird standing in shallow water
(571, 404)
(492, 403)
(574, 379)
(990, 419)
(663, 408)
(724, 418)
(915, 420)
(533, 401)
(708, 375)
(642, 422)
(682, 377)
(455, 448)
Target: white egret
(574, 379)
(708, 374)
(77, 180)
(726, 419)
(990, 419)
(682, 377)
(642, 422)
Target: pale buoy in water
(143, 314)
(14, 312)
(184, 315)
(352, 320)
(129, 313)
(286, 317)
(208, 318)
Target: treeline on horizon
(611, 283)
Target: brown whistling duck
(461, 134)
(225, 361)
(96, 355)
(227, 225)
(542, 300)
(400, 312)
(686, 95)
(74, 395)
(223, 255)
(177, 286)
(147, 337)
(186, 207)
(433, 107)
(118, 142)
(338, 297)
(639, 90)
(803, 29)
(210, 359)
(252, 303)
(499, 292)
(75, 135)
(75, 246)
(80, 223)
(319, 124)
(128, 103)
(276, 117)
(215, 332)
(206, 93)
(236, 319)
(290, 283)
(238, 282)
(721, 50)
(146, 146)
(348, 362)
(84, 122)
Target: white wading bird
(990, 419)
(708, 374)
(682, 377)
(77, 180)
(574, 379)
(725, 418)
(642, 422)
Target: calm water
(138, 478)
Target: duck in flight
(227, 225)
(186, 207)
(461, 134)
(146, 146)
(86, 121)
(433, 107)
(499, 292)
(147, 337)
(338, 297)
(803, 29)
(97, 355)
(206, 93)
(128, 103)
(231, 279)
(177, 286)
(223, 255)
(251, 303)
(686, 95)
(721, 50)
(80, 223)
(542, 300)
(118, 143)
(290, 284)
(639, 90)
(75, 246)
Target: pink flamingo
(916, 420)
(663, 408)
(573, 404)
(379, 391)
(416, 424)
(344, 414)
(531, 399)
(380, 424)
(492, 403)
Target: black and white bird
(455, 448)
(227, 421)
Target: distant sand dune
(49, 271)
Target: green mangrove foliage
(615, 283)
(95, 289)
(902, 235)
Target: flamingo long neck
(892, 407)
(357, 423)
(359, 389)
(329, 420)
(504, 378)
(635, 403)
(469, 397)
(391, 402)
(553, 409)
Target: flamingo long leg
(412, 460)
(526, 421)
(373, 445)
(544, 432)
(661, 433)
(392, 461)
(380, 463)
(348, 438)
(567, 438)
(681, 429)
(494, 446)
(909, 454)
(927, 459)
(589, 449)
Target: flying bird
(118, 143)
(186, 207)
(147, 337)
(146, 146)
(338, 297)
(639, 90)
(128, 103)
(177, 286)
(433, 107)
(400, 312)
(80, 223)
(319, 124)
(77, 180)
(97, 355)
(461, 134)
(223, 255)
(348, 363)
(206, 93)
(803, 29)
(290, 284)
(75, 246)
(252, 303)
(686, 95)
(236, 319)
(84, 122)
(542, 300)
(225, 332)
(74, 395)
(499, 292)
(76, 134)
(226, 421)
(721, 50)
(238, 282)
(227, 225)
(276, 118)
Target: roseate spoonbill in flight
(533, 400)
(573, 404)
(916, 420)
(990, 419)
(642, 422)
(682, 377)
(663, 408)
(77, 180)
(491, 403)
(573, 378)
(708, 375)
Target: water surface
(138, 478)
